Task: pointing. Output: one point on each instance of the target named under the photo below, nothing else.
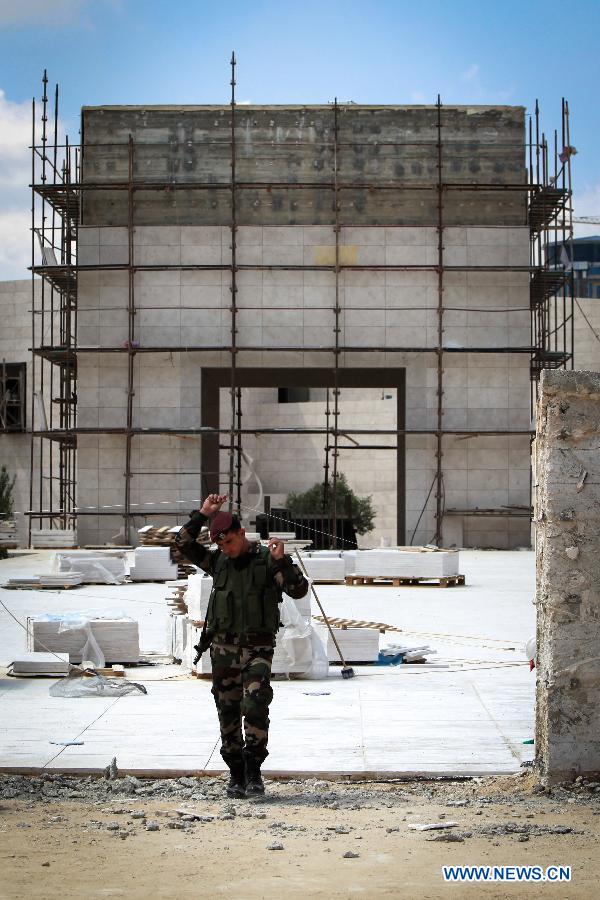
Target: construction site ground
(64, 837)
(466, 712)
(354, 763)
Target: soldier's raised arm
(286, 574)
(186, 540)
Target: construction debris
(153, 536)
(66, 580)
(394, 654)
(39, 663)
(357, 623)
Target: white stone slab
(470, 718)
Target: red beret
(221, 524)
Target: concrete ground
(468, 712)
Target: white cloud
(40, 12)
(470, 73)
(587, 203)
(15, 137)
(15, 197)
(15, 244)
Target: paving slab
(467, 713)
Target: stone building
(348, 277)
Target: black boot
(254, 782)
(236, 787)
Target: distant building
(585, 258)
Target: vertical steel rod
(439, 511)
(33, 367)
(238, 464)
(336, 328)
(44, 444)
(325, 503)
(130, 340)
(570, 310)
(233, 288)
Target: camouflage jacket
(286, 576)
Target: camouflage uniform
(242, 689)
(242, 644)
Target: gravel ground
(69, 837)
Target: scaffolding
(55, 175)
(60, 190)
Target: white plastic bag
(319, 667)
(293, 639)
(197, 595)
(81, 621)
(77, 685)
(95, 569)
(300, 645)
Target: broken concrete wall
(568, 574)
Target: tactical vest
(244, 601)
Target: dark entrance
(214, 379)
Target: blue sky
(146, 51)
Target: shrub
(310, 502)
(6, 488)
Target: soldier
(241, 624)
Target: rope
(199, 501)
(594, 332)
(72, 667)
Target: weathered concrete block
(568, 574)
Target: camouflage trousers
(241, 686)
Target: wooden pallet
(116, 671)
(356, 623)
(108, 547)
(40, 587)
(372, 581)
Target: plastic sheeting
(78, 685)
(81, 621)
(298, 646)
(95, 569)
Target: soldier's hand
(213, 504)
(276, 547)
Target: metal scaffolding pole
(439, 483)
(551, 301)
(336, 329)
(130, 338)
(233, 228)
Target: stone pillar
(568, 575)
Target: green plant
(6, 502)
(6, 488)
(311, 503)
